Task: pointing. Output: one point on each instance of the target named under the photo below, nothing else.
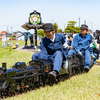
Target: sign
(34, 18)
(3, 39)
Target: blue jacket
(26, 36)
(69, 43)
(82, 43)
(49, 48)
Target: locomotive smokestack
(4, 66)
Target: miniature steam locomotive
(21, 78)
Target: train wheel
(62, 78)
(41, 81)
(81, 69)
(17, 89)
(23, 86)
(31, 84)
(70, 68)
(28, 84)
(12, 93)
(0, 93)
(51, 81)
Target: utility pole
(64, 28)
(85, 22)
(7, 29)
(79, 25)
(91, 26)
(11, 33)
(52, 21)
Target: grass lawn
(12, 56)
(21, 43)
(79, 87)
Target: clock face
(34, 19)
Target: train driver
(53, 48)
(81, 44)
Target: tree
(12, 38)
(41, 32)
(55, 27)
(77, 29)
(70, 27)
(59, 30)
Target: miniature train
(21, 78)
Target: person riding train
(53, 48)
(81, 45)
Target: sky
(15, 13)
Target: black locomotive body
(22, 78)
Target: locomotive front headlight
(1, 75)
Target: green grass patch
(80, 87)
(21, 42)
(11, 56)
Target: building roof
(18, 35)
(3, 32)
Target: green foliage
(41, 32)
(55, 27)
(59, 30)
(77, 29)
(71, 23)
(71, 27)
(11, 37)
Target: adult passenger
(98, 37)
(81, 44)
(74, 33)
(70, 42)
(52, 49)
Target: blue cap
(48, 27)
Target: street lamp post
(79, 25)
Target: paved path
(28, 50)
